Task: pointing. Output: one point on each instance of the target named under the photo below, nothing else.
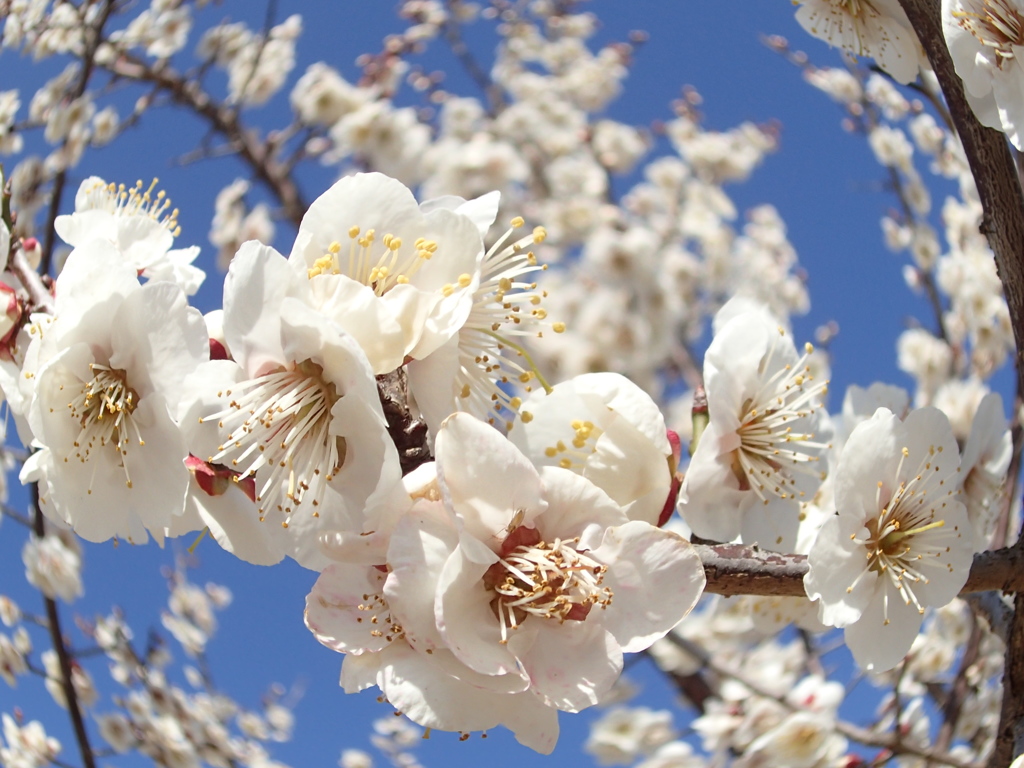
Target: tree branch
(258, 155)
(57, 640)
(995, 175)
(736, 569)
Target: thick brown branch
(995, 175)
(992, 166)
(735, 569)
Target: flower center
(135, 201)
(281, 422)
(379, 264)
(905, 532)
(770, 450)
(583, 445)
(378, 617)
(996, 25)
(104, 408)
(549, 580)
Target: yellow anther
(334, 247)
(465, 280)
(517, 222)
(526, 417)
(558, 327)
(353, 232)
(539, 234)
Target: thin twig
(63, 655)
(849, 730)
(93, 36)
(225, 121)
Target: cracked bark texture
(1003, 224)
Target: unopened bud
(33, 251)
(216, 479)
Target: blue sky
(825, 183)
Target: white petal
(837, 576)
(484, 478)
(570, 664)
(466, 621)
(656, 577)
(428, 696)
(422, 542)
(877, 645)
(342, 606)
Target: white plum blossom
(28, 746)
(878, 29)
(296, 409)
(624, 734)
(12, 659)
(900, 541)
(105, 398)
(801, 740)
(80, 678)
(985, 40)
(53, 564)
(139, 222)
(983, 466)
(507, 593)
(399, 279)
(606, 428)
(475, 370)
(761, 452)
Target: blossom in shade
(985, 40)
(878, 29)
(900, 541)
(763, 449)
(983, 466)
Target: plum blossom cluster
(473, 577)
(890, 513)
